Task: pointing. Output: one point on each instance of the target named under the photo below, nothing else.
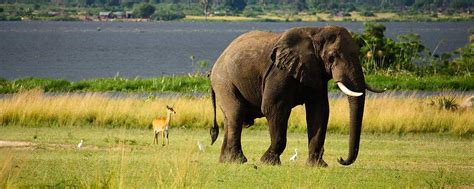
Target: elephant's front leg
(317, 113)
(278, 124)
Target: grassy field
(384, 114)
(200, 84)
(406, 142)
(125, 158)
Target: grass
(118, 84)
(200, 84)
(125, 158)
(383, 114)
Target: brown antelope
(161, 124)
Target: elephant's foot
(316, 160)
(233, 157)
(270, 158)
(317, 163)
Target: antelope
(161, 124)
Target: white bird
(293, 158)
(80, 144)
(200, 146)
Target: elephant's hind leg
(231, 150)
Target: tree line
(297, 5)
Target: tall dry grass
(382, 114)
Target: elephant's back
(247, 53)
(243, 64)
(249, 48)
(260, 36)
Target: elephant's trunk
(356, 106)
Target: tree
(90, 2)
(144, 10)
(300, 5)
(457, 4)
(114, 3)
(237, 5)
(205, 5)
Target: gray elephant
(264, 74)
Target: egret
(293, 158)
(80, 144)
(200, 146)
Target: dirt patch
(33, 146)
(7, 143)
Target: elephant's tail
(215, 128)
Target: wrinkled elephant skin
(264, 74)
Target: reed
(385, 114)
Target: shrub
(251, 11)
(378, 52)
(367, 13)
(167, 15)
(444, 103)
(464, 64)
(144, 10)
(9, 18)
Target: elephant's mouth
(349, 92)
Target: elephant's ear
(295, 53)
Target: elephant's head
(314, 55)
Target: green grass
(426, 83)
(124, 158)
(200, 84)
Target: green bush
(367, 13)
(144, 10)
(464, 64)
(251, 11)
(407, 54)
(9, 18)
(380, 53)
(167, 15)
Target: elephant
(265, 74)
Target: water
(82, 50)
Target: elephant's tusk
(375, 90)
(347, 91)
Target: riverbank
(328, 17)
(200, 84)
(268, 17)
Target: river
(83, 50)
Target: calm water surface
(81, 50)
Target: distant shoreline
(269, 17)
